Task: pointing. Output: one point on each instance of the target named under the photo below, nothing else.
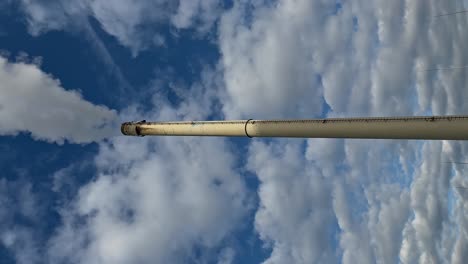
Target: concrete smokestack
(429, 127)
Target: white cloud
(199, 13)
(154, 206)
(369, 60)
(295, 214)
(389, 198)
(18, 201)
(157, 200)
(226, 256)
(268, 64)
(388, 213)
(43, 16)
(133, 23)
(122, 19)
(350, 201)
(33, 101)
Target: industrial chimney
(422, 127)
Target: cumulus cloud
(33, 101)
(295, 216)
(268, 63)
(280, 59)
(287, 59)
(154, 206)
(163, 200)
(320, 200)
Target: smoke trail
(32, 101)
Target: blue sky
(75, 191)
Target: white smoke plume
(34, 102)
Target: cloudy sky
(72, 190)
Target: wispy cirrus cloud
(134, 23)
